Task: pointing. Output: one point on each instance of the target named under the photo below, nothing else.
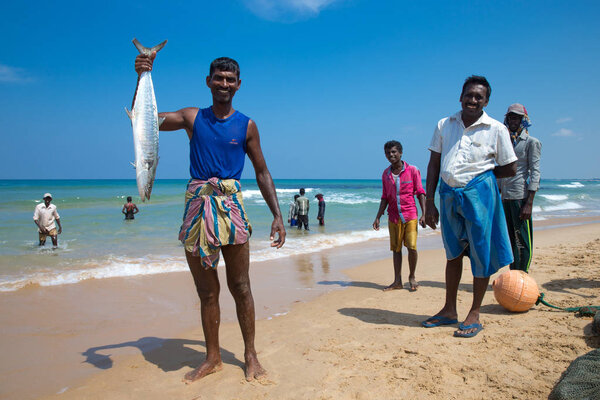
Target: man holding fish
(214, 219)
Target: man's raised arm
(182, 119)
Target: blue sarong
(472, 221)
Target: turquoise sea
(97, 243)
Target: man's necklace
(397, 171)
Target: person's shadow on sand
(496, 309)
(463, 287)
(368, 285)
(466, 287)
(167, 354)
(379, 316)
(564, 286)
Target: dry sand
(363, 343)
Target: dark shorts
(302, 220)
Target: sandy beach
(136, 338)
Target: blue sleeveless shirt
(218, 146)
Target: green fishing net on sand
(581, 380)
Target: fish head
(145, 173)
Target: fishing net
(581, 380)
(596, 324)
(585, 311)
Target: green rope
(585, 311)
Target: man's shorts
(403, 232)
(472, 221)
(51, 233)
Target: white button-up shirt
(46, 215)
(469, 152)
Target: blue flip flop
(478, 328)
(439, 321)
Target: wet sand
(135, 338)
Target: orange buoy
(516, 290)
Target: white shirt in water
(46, 215)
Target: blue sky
(327, 81)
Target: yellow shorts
(51, 232)
(406, 233)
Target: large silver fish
(145, 123)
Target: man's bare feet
(206, 368)
(414, 285)
(253, 368)
(393, 286)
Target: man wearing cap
(44, 216)
(518, 191)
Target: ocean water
(98, 243)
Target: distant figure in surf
(518, 191)
(215, 220)
(321, 212)
(303, 206)
(129, 209)
(401, 183)
(293, 212)
(44, 216)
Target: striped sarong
(214, 216)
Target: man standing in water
(215, 219)
(129, 209)
(469, 150)
(518, 191)
(44, 216)
(303, 207)
(293, 212)
(321, 212)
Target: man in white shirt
(469, 150)
(44, 216)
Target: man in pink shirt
(401, 183)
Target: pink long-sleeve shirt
(401, 193)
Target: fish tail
(147, 51)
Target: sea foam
(114, 267)
(568, 205)
(555, 197)
(573, 185)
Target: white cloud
(563, 120)
(12, 74)
(564, 132)
(287, 10)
